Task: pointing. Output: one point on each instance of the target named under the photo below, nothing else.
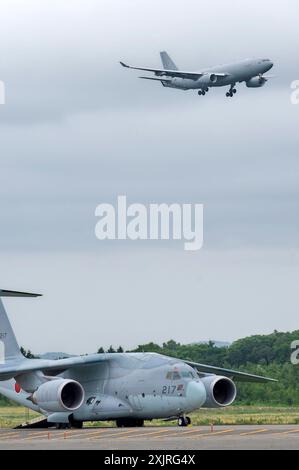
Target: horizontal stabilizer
(13, 293)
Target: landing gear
(129, 423)
(184, 421)
(231, 92)
(63, 426)
(203, 92)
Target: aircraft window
(185, 373)
(176, 375)
(90, 400)
(169, 375)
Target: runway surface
(154, 438)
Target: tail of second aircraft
(9, 348)
(167, 62)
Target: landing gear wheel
(207, 90)
(200, 92)
(188, 420)
(234, 91)
(182, 421)
(203, 93)
(228, 94)
(63, 426)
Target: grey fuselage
(136, 385)
(241, 71)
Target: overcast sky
(78, 130)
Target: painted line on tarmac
(209, 434)
(69, 435)
(251, 433)
(145, 434)
(284, 433)
(178, 433)
(8, 436)
(116, 434)
(36, 435)
(72, 434)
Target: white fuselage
(236, 72)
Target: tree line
(267, 355)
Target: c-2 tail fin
(167, 62)
(9, 348)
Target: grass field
(235, 415)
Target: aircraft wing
(48, 366)
(165, 72)
(233, 374)
(173, 73)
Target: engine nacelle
(221, 391)
(256, 82)
(59, 395)
(207, 80)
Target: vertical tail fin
(167, 62)
(9, 348)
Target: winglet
(12, 293)
(124, 65)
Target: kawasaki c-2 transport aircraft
(126, 387)
(250, 71)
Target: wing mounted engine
(59, 395)
(221, 391)
(256, 82)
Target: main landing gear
(203, 92)
(129, 423)
(184, 421)
(231, 92)
(63, 426)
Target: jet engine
(207, 80)
(59, 395)
(256, 82)
(221, 391)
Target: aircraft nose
(270, 64)
(196, 394)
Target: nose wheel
(184, 421)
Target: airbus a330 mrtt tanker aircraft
(250, 71)
(126, 387)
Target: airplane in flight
(125, 387)
(250, 71)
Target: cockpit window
(175, 375)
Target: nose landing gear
(184, 421)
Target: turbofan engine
(221, 391)
(207, 80)
(59, 395)
(256, 82)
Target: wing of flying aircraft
(172, 73)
